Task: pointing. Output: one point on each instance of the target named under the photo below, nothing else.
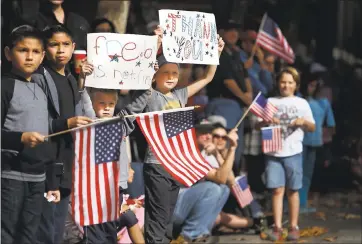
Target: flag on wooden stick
(171, 136)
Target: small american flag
(262, 108)
(171, 136)
(95, 195)
(241, 191)
(271, 139)
(272, 39)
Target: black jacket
(83, 108)
(78, 26)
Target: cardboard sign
(121, 61)
(189, 37)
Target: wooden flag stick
(101, 121)
(96, 122)
(247, 111)
(257, 35)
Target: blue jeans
(21, 204)
(232, 112)
(309, 157)
(197, 208)
(284, 171)
(51, 228)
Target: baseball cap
(211, 122)
(162, 60)
(229, 25)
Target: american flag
(241, 191)
(271, 139)
(95, 195)
(171, 136)
(262, 108)
(272, 39)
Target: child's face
(287, 85)
(104, 104)
(167, 77)
(59, 49)
(26, 55)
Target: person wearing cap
(202, 202)
(231, 90)
(228, 217)
(161, 190)
(261, 79)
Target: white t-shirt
(289, 109)
(210, 159)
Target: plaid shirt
(252, 139)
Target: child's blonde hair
(93, 90)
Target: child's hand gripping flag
(262, 108)
(271, 139)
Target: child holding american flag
(104, 228)
(161, 189)
(284, 167)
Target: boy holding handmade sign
(161, 190)
(104, 102)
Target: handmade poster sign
(189, 37)
(121, 61)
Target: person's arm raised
(209, 74)
(221, 175)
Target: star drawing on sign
(114, 58)
(150, 65)
(207, 53)
(138, 64)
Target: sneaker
(307, 210)
(275, 235)
(293, 234)
(179, 240)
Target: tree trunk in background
(115, 11)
